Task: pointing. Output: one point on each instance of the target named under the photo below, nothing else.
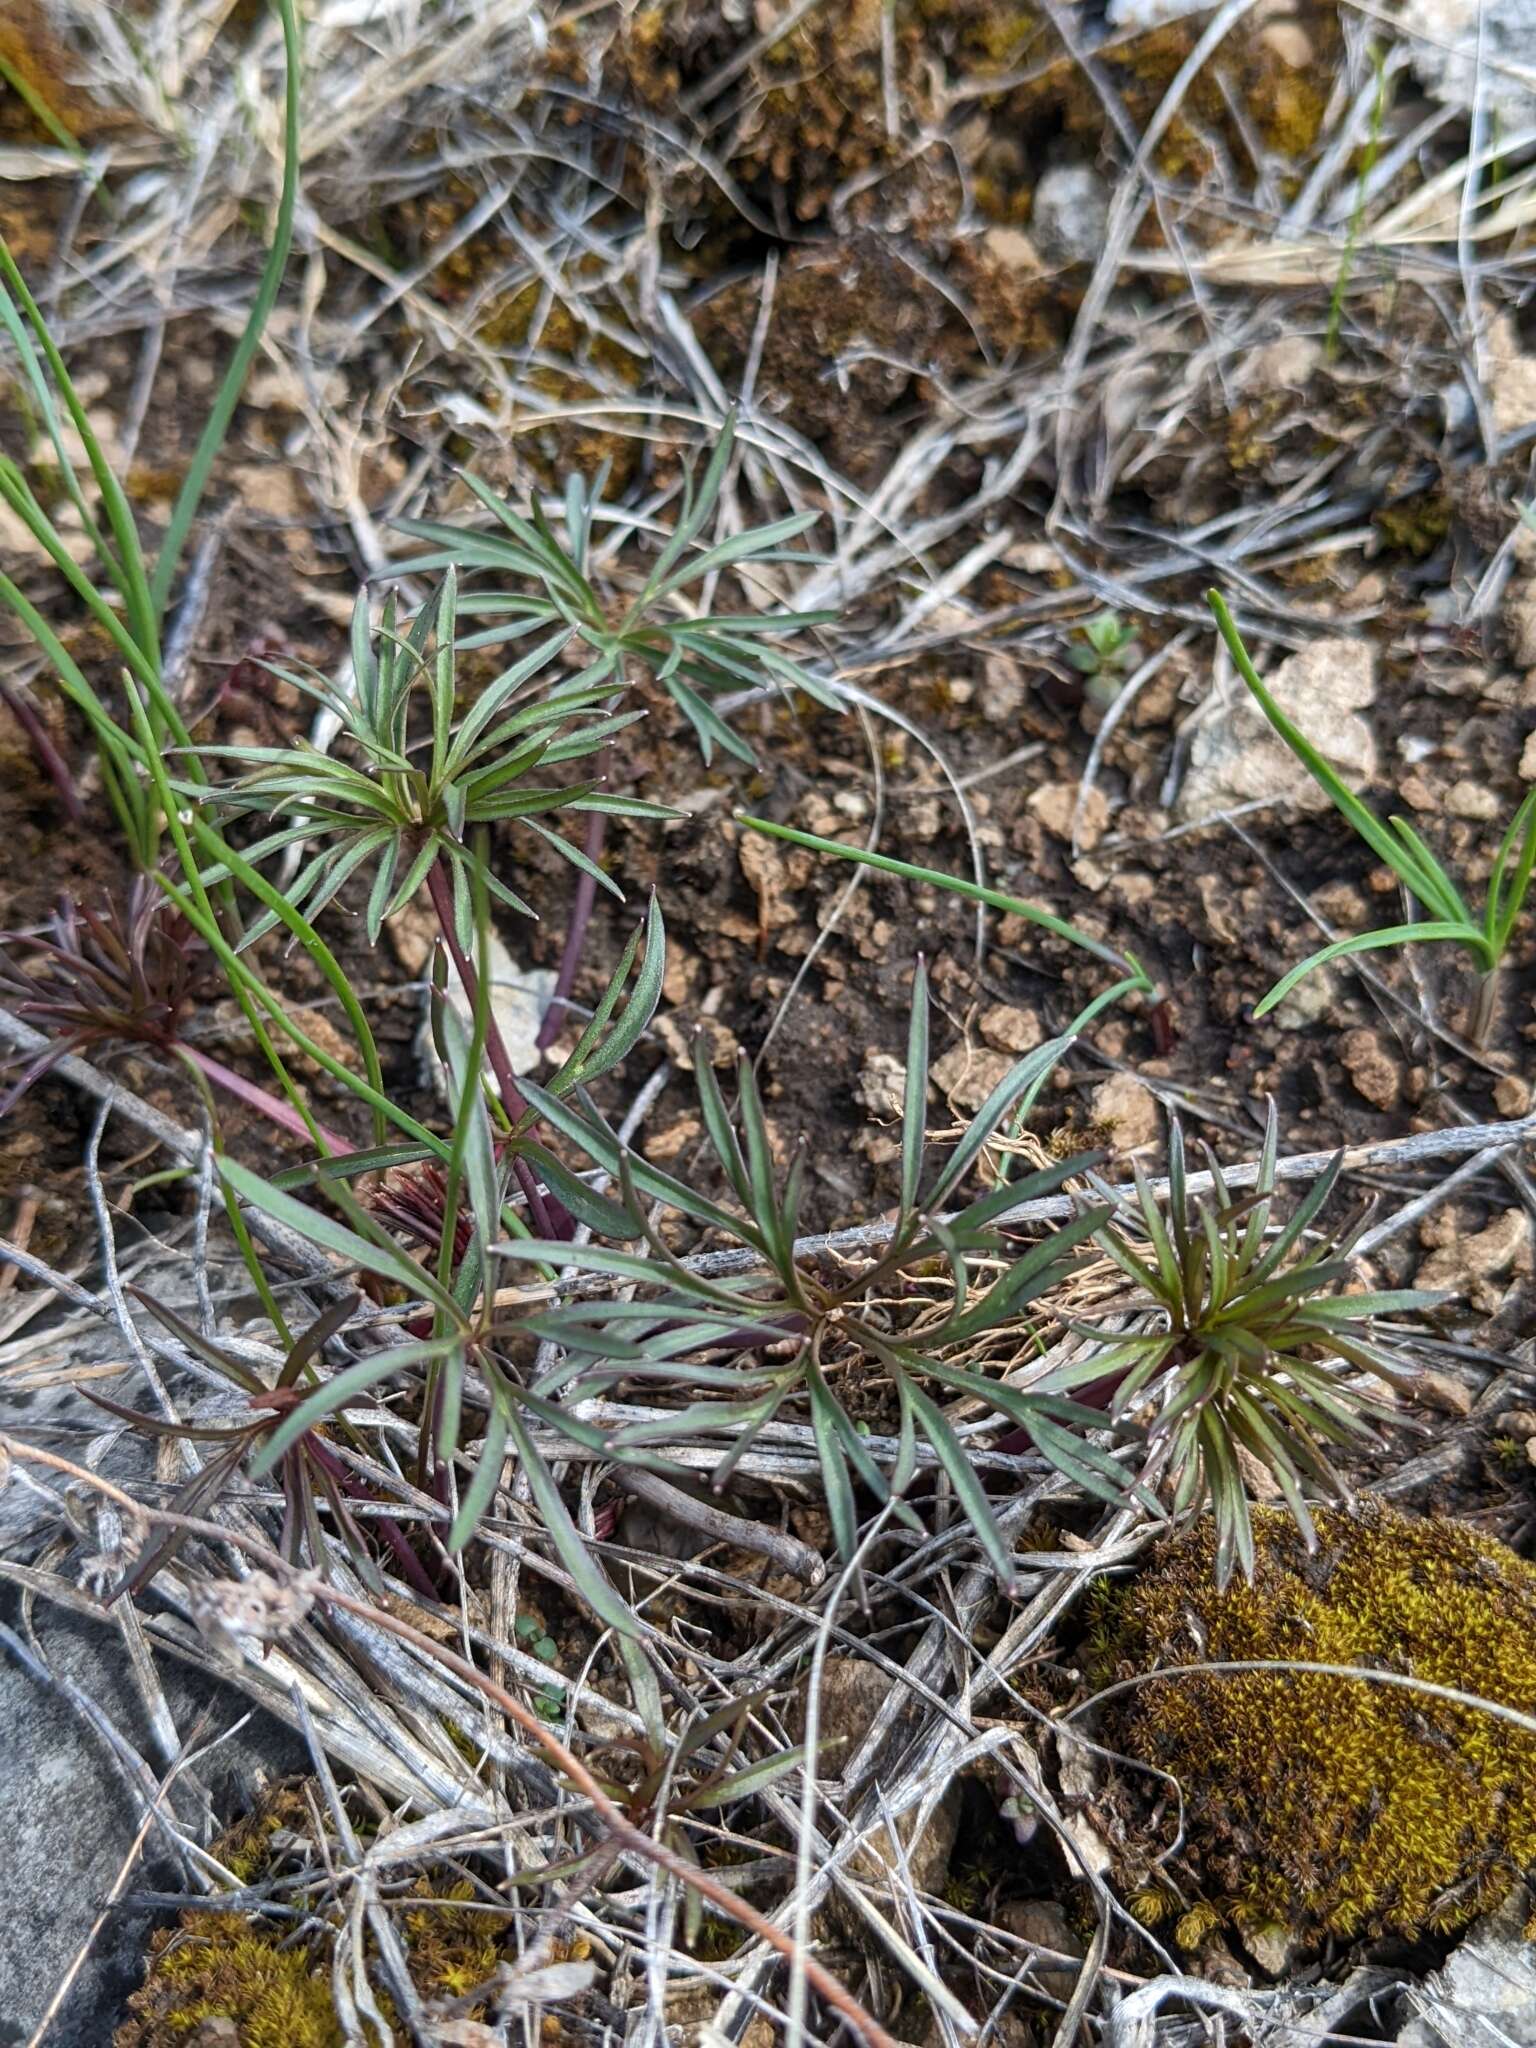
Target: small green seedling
(1109, 651)
(1447, 917)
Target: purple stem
(46, 754)
(576, 933)
(411, 1566)
(550, 1215)
(440, 889)
(283, 1114)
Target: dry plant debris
(964, 344)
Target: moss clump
(1415, 526)
(223, 1966)
(1335, 1805)
(273, 1981)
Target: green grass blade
(1367, 942)
(1359, 816)
(915, 1096)
(209, 442)
(997, 899)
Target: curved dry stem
(621, 1831)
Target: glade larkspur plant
(658, 632)
(467, 1347)
(404, 808)
(1232, 1362)
(1400, 845)
(792, 1336)
(122, 971)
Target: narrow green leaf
(477, 1496)
(914, 1109)
(1365, 942)
(383, 1258)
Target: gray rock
(1069, 214)
(1238, 757)
(69, 1815)
(1459, 47)
(1138, 14)
(1485, 1997)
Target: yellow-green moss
(1417, 525)
(1334, 1805)
(274, 1982)
(223, 1966)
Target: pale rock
(1520, 619)
(881, 1085)
(924, 818)
(1218, 904)
(1520, 1423)
(1341, 903)
(231, 1031)
(1469, 799)
(1130, 1110)
(1257, 1476)
(1473, 1266)
(270, 489)
(1070, 213)
(1510, 371)
(1012, 248)
(1043, 1925)
(1274, 1949)
(1465, 48)
(1290, 43)
(1528, 758)
(1055, 805)
(1034, 557)
(1307, 1002)
(775, 873)
(1002, 689)
(1010, 1030)
(1512, 1095)
(879, 1147)
(17, 541)
(1286, 364)
(1238, 757)
(715, 1040)
(967, 1074)
(678, 977)
(412, 933)
(663, 1146)
(1443, 1392)
(1141, 14)
(519, 998)
(1377, 1075)
(1487, 1990)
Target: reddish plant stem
(550, 1216)
(46, 754)
(576, 933)
(283, 1114)
(622, 1832)
(411, 1566)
